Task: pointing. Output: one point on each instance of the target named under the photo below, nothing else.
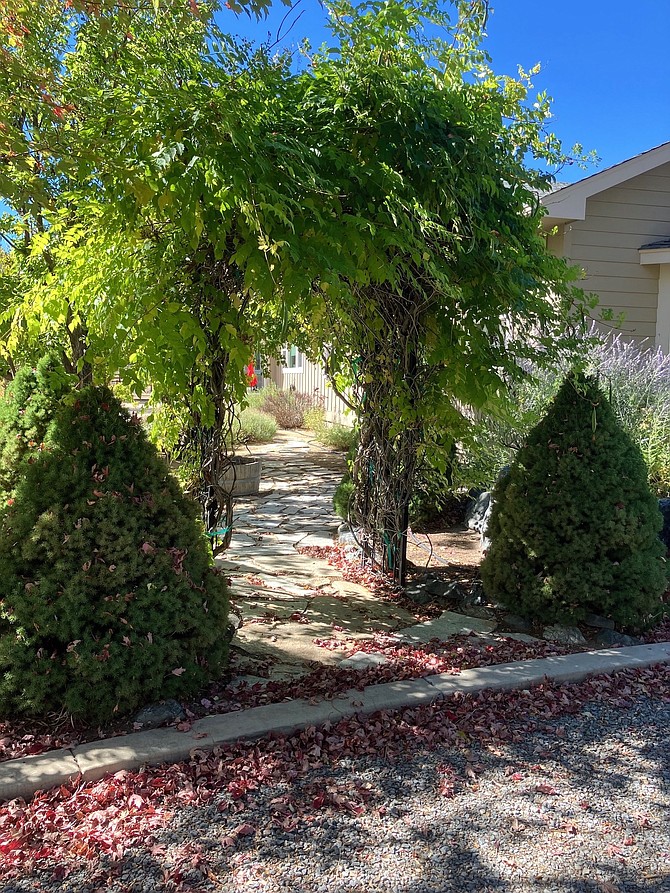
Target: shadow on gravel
(580, 806)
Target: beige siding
(555, 243)
(311, 379)
(606, 245)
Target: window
(292, 359)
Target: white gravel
(582, 806)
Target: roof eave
(569, 203)
(655, 256)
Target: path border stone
(89, 762)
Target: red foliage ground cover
(61, 827)
(660, 633)
(22, 739)
(406, 661)
(25, 738)
(356, 571)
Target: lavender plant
(637, 381)
(635, 378)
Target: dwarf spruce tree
(574, 529)
(109, 600)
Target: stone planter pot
(244, 479)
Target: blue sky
(606, 63)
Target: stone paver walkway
(287, 600)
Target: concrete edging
(24, 776)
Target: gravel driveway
(582, 806)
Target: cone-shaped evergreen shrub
(574, 529)
(109, 600)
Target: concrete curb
(90, 762)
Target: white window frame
(286, 353)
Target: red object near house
(252, 378)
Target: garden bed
(28, 737)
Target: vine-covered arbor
(183, 200)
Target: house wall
(606, 245)
(556, 242)
(311, 379)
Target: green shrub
(314, 419)
(339, 437)
(254, 399)
(574, 529)
(256, 427)
(342, 497)
(637, 382)
(288, 407)
(492, 442)
(432, 494)
(109, 597)
(434, 482)
(26, 409)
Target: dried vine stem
(211, 447)
(389, 391)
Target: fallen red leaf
(545, 789)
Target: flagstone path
(286, 599)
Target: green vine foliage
(201, 200)
(443, 287)
(204, 194)
(109, 598)
(441, 210)
(125, 238)
(574, 529)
